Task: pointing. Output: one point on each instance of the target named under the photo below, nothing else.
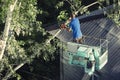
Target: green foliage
(26, 37)
(59, 4)
(24, 17)
(114, 13)
(75, 5)
(63, 16)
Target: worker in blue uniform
(74, 26)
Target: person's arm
(63, 26)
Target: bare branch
(48, 41)
(18, 67)
(90, 5)
(87, 6)
(71, 4)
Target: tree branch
(87, 6)
(7, 28)
(48, 41)
(71, 4)
(15, 69)
(90, 5)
